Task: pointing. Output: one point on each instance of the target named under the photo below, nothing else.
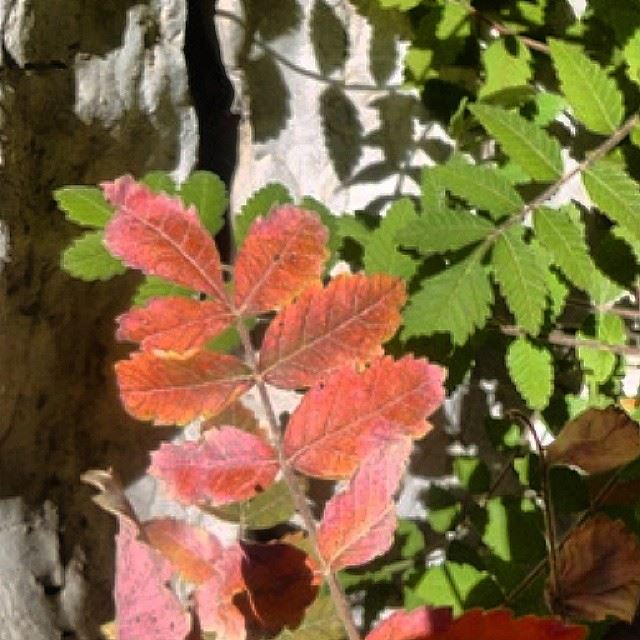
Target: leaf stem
(341, 603)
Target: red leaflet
(173, 390)
(358, 524)
(228, 465)
(146, 609)
(190, 549)
(174, 324)
(281, 255)
(340, 422)
(216, 599)
(281, 584)
(418, 624)
(156, 234)
(325, 329)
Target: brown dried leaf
(598, 572)
(597, 440)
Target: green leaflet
(84, 205)
(519, 269)
(480, 186)
(525, 143)
(320, 623)
(531, 370)
(441, 230)
(631, 55)
(615, 194)
(259, 204)
(208, 194)
(88, 259)
(155, 287)
(328, 220)
(381, 253)
(159, 181)
(457, 301)
(505, 66)
(599, 364)
(432, 194)
(548, 107)
(594, 97)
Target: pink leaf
(156, 234)
(280, 256)
(174, 323)
(358, 524)
(415, 625)
(146, 609)
(340, 422)
(228, 465)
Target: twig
(339, 598)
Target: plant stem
(343, 609)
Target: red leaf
(418, 624)
(281, 256)
(190, 549)
(156, 234)
(174, 324)
(325, 329)
(337, 424)
(216, 599)
(228, 465)
(146, 609)
(281, 584)
(172, 390)
(358, 524)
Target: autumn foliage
(358, 416)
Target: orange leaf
(156, 234)
(172, 390)
(281, 256)
(190, 549)
(597, 440)
(280, 582)
(338, 422)
(174, 323)
(216, 600)
(228, 465)
(415, 625)
(325, 329)
(146, 609)
(598, 572)
(358, 524)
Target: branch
(299, 498)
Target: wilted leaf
(226, 466)
(191, 550)
(597, 440)
(176, 390)
(281, 255)
(174, 324)
(418, 624)
(598, 572)
(335, 426)
(358, 523)
(156, 234)
(325, 329)
(146, 609)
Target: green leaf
(456, 301)
(432, 192)
(155, 287)
(353, 227)
(454, 585)
(320, 623)
(525, 143)
(548, 107)
(328, 220)
(561, 231)
(615, 194)
(531, 370)
(473, 474)
(480, 186)
(259, 204)
(159, 181)
(519, 270)
(599, 364)
(442, 509)
(84, 205)
(208, 194)
(594, 96)
(381, 253)
(630, 238)
(441, 230)
(631, 55)
(88, 259)
(505, 66)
